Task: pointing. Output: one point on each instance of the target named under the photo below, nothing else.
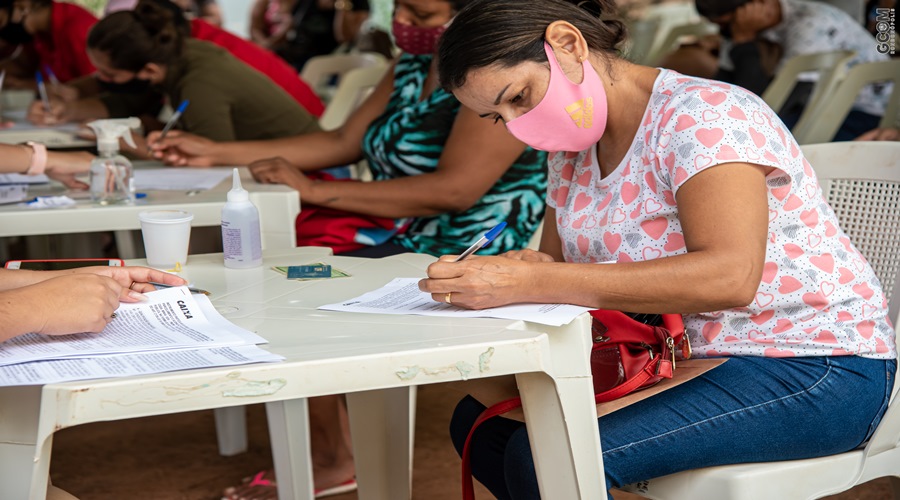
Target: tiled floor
(174, 457)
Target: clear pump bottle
(112, 178)
(240, 228)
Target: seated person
(142, 49)
(699, 220)
(33, 159)
(78, 102)
(56, 31)
(296, 30)
(796, 27)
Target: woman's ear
(153, 72)
(566, 41)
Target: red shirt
(64, 48)
(263, 61)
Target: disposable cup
(166, 237)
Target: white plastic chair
(351, 91)
(670, 41)
(861, 180)
(831, 67)
(823, 122)
(319, 71)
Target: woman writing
(705, 202)
(433, 161)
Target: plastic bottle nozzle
(237, 193)
(109, 131)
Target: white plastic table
(375, 359)
(278, 208)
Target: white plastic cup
(166, 237)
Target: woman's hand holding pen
(181, 149)
(71, 303)
(133, 279)
(39, 115)
(480, 282)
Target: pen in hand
(172, 120)
(482, 242)
(192, 290)
(42, 91)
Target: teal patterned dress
(408, 140)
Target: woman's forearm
(308, 152)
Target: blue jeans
(749, 409)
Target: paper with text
(179, 179)
(402, 296)
(122, 365)
(173, 318)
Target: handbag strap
(468, 488)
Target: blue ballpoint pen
(172, 120)
(42, 90)
(482, 242)
(51, 75)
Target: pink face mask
(570, 117)
(415, 40)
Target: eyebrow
(500, 95)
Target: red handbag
(630, 352)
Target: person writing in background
(94, 97)
(708, 208)
(71, 301)
(33, 159)
(433, 161)
(57, 33)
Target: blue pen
(51, 75)
(172, 120)
(42, 91)
(482, 242)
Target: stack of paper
(14, 187)
(174, 330)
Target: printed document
(179, 179)
(402, 296)
(173, 318)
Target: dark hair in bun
(131, 39)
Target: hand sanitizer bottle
(240, 228)
(112, 178)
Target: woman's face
(105, 71)
(423, 13)
(502, 94)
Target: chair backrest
(823, 122)
(670, 41)
(861, 181)
(352, 90)
(321, 71)
(831, 66)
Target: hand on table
(64, 166)
(280, 171)
(181, 149)
(72, 303)
(134, 280)
(480, 282)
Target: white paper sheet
(122, 365)
(402, 296)
(179, 179)
(173, 318)
(23, 179)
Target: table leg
(562, 429)
(382, 425)
(289, 434)
(231, 430)
(25, 461)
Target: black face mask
(15, 34)
(725, 31)
(133, 86)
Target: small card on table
(309, 271)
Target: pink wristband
(38, 159)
